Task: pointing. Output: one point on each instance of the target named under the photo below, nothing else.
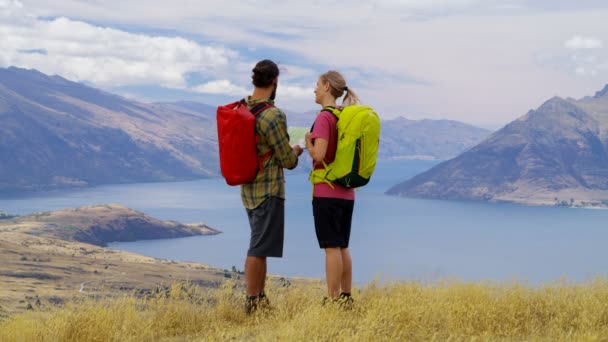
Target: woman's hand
(308, 140)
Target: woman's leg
(333, 271)
(347, 271)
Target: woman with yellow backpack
(343, 144)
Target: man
(264, 197)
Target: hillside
(52, 257)
(427, 139)
(554, 155)
(43, 272)
(56, 133)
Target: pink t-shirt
(325, 128)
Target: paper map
(296, 135)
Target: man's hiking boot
(251, 304)
(254, 303)
(263, 301)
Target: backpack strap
(332, 110)
(256, 110)
(329, 109)
(260, 107)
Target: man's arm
(275, 131)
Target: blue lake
(392, 239)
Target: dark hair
(264, 73)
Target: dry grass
(53, 271)
(402, 311)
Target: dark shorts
(267, 223)
(333, 217)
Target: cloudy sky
(484, 62)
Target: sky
(483, 62)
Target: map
(296, 135)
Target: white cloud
(285, 91)
(10, 9)
(104, 56)
(288, 91)
(580, 42)
(220, 87)
(470, 60)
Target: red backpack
(238, 141)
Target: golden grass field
(64, 290)
(445, 311)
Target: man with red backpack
(264, 197)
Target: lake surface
(392, 238)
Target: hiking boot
(345, 301)
(259, 302)
(251, 304)
(263, 301)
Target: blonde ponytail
(338, 87)
(351, 98)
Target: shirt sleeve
(322, 128)
(277, 138)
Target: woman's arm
(317, 148)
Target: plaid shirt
(271, 127)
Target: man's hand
(298, 150)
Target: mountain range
(556, 154)
(403, 138)
(56, 133)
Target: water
(392, 238)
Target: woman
(332, 204)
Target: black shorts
(333, 217)
(267, 223)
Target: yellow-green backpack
(357, 151)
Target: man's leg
(333, 271)
(255, 274)
(265, 272)
(347, 271)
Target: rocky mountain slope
(554, 155)
(56, 133)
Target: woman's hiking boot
(345, 301)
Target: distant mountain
(56, 133)
(427, 139)
(403, 138)
(554, 155)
